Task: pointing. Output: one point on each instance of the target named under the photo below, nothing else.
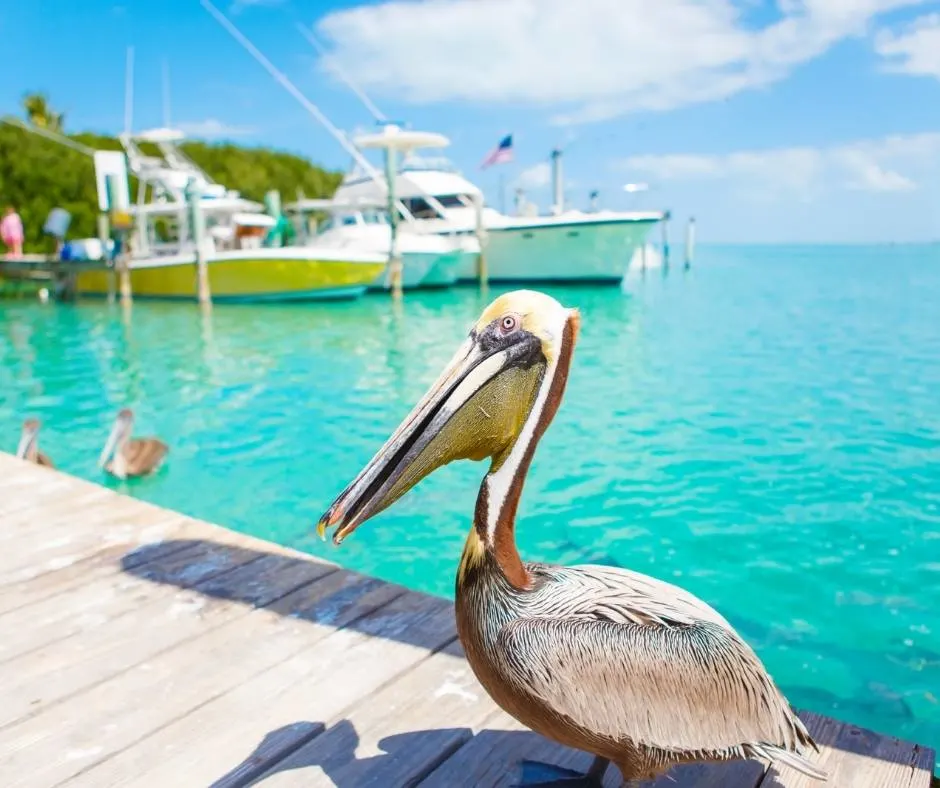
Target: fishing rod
(49, 135)
(338, 70)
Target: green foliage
(39, 113)
(37, 175)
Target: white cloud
(913, 50)
(592, 59)
(535, 177)
(865, 165)
(211, 128)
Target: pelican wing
(630, 657)
(690, 688)
(144, 455)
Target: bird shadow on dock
(448, 757)
(435, 758)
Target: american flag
(501, 154)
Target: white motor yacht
(567, 246)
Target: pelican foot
(547, 775)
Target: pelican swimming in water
(28, 448)
(130, 456)
(634, 670)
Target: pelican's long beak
(111, 444)
(474, 410)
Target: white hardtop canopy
(393, 137)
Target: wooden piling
(664, 228)
(120, 225)
(124, 276)
(197, 223)
(689, 242)
(482, 272)
(394, 258)
(104, 235)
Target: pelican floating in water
(131, 456)
(28, 448)
(636, 671)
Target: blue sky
(791, 120)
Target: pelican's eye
(508, 324)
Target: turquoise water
(763, 430)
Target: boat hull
(415, 266)
(444, 270)
(241, 277)
(582, 251)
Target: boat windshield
(455, 200)
(420, 208)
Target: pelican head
(29, 437)
(120, 433)
(493, 400)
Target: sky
(774, 121)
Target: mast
(166, 94)
(129, 91)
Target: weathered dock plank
(72, 737)
(38, 588)
(306, 689)
(152, 649)
(856, 756)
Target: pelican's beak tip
(332, 516)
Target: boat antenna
(289, 86)
(129, 91)
(338, 70)
(166, 94)
(49, 135)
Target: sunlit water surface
(763, 429)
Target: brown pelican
(131, 456)
(29, 444)
(638, 672)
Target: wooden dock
(140, 647)
(37, 269)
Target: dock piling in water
(664, 229)
(482, 273)
(689, 242)
(197, 222)
(394, 257)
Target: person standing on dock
(11, 231)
